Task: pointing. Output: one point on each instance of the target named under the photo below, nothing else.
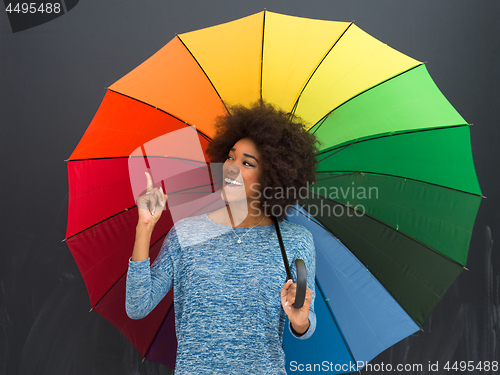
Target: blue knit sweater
(228, 313)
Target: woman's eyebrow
(246, 155)
(251, 156)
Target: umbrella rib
(187, 161)
(340, 149)
(335, 320)
(371, 327)
(167, 113)
(390, 227)
(262, 52)
(295, 105)
(170, 308)
(205, 206)
(160, 326)
(309, 217)
(203, 70)
(123, 274)
(181, 191)
(320, 122)
(102, 221)
(347, 173)
(385, 135)
(337, 237)
(192, 162)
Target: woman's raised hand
(151, 204)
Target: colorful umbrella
(392, 209)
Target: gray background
(52, 80)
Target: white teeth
(234, 182)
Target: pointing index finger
(149, 185)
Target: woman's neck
(241, 215)
(244, 217)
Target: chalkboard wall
(52, 80)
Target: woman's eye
(229, 157)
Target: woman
(231, 293)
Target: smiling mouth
(230, 183)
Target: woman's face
(241, 172)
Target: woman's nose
(232, 169)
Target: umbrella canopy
(392, 210)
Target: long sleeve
(147, 285)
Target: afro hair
(287, 149)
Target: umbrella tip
(92, 309)
(484, 196)
(64, 240)
(466, 269)
(471, 124)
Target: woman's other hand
(299, 318)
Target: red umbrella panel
(105, 177)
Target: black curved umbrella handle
(300, 294)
